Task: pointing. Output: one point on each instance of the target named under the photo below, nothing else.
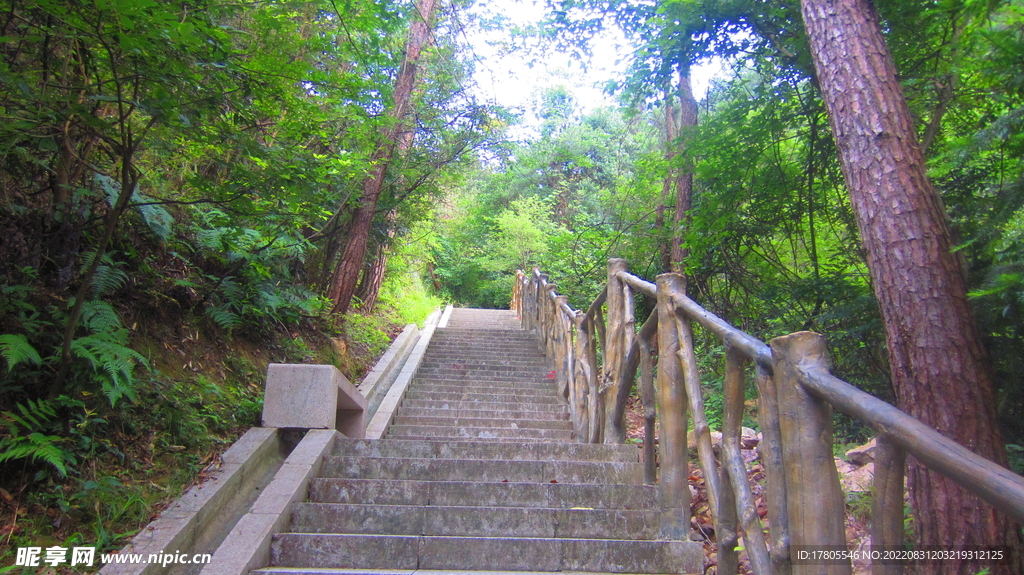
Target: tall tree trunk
(373, 275)
(346, 273)
(939, 368)
(684, 174)
(665, 241)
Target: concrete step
(477, 413)
(482, 470)
(414, 552)
(441, 385)
(471, 374)
(496, 363)
(475, 521)
(423, 393)
(546, 386)
(402, 420)
(467, 432)
(356, 571)
(479, 450)
(468, 493)
(484, 405)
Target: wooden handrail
(805, 503)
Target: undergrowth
(150, 404)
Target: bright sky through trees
(510, 69)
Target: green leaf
(16, 349)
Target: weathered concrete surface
(382, 376)
(200, 519)
(312, 397)
(247, 547)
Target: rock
(859, 480)
(749, 438)
(862, 455)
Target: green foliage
(26, 438)
(16, 349)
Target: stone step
(482, 405)
(548, 385)
(484, 339)
(468, 493)
(471, 387)
(414, 552)
(481, 397)
(467, 432)
(484, 375)
(480, 450)
(509, 440)
(478, 413)
(476, 521)
(482, 470)
(492, 422)
(514, 359)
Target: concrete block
(312, 397)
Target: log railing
(796, 395)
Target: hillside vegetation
(191, 190)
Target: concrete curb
(445, 316)
(377, 383)
(200, 519)
(247, 547)
(389, 406)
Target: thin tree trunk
(664, 241)
(346, 274)
(939, 368)
(684, 174)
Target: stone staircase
(480, 472)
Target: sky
(507, 79)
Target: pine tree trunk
(939, 368)
(346, 273)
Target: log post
(550, 321)
(647, 399)
(563, 365)
(815, 500)
(675, 472)
(615, 351)
(887, 501)
(615, 432)
(770, 450)
(517, 295)
(595, 408)
(581, 380)
(733, 469)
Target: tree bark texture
(939, 368)
(346, 273)
(683, 174)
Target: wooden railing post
(615, 352)
(887, 500)
(675, 472)
(563, 357)
(815, 500)
(580, 380)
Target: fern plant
(106, 351)
(28, 437)
(15, 349)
